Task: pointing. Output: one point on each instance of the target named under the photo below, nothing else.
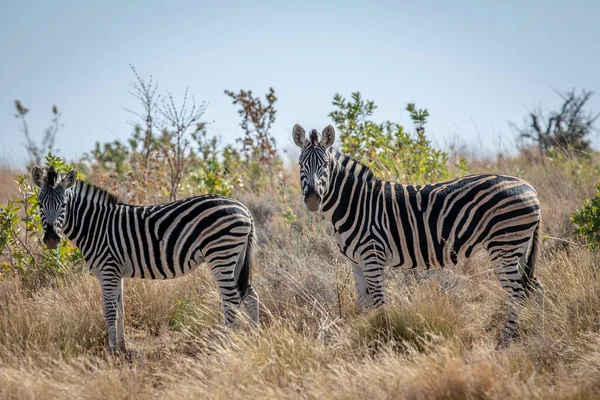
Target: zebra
(163, 241)
(381, 224)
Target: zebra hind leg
(223, 269)
(361, 286)
(529, 261)
(252, 304)
(512, 279)
(246, 291)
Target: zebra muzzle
(313, 202)
(51, 239)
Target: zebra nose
(51, 239)
(313, 202)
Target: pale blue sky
(474, 64)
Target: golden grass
(8, 188)
(52, 343)
(435, 339)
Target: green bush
(261, 162)
(387, 147)
(213, 171)
(587, 220)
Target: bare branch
(176, 122)
(565, 128)
(146, 93)
(37, 152)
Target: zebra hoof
(502, 344)
(119, 350)
(506, 338)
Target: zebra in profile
(156, 242)
(381, 224)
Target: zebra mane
(107, 197)
(347, 163)
(51, 175)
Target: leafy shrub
(387, 147)
(261, 161)
(213, 171)
(587, 220)
(111, 156)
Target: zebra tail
(243, 282)
(530, 282)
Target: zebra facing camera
(53, 184)
(93, 218)
(313, 161)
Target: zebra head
(52, 200)
(314, 164)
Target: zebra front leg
(361, 286)
(120, 323)
(112, 294)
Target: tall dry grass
(435, 339)
(8, 189)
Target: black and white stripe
(156, 242)
(380, 224)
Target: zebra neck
(87, 214)
(348, 178)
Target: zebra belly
(418, 265)
(449, 261)
(372, 251)
(161, 268)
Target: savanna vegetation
(435, 339)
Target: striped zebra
(156, 242)
(381, 224)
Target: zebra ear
(69, 179)
(37, 175)
(299, 135)
(327, 136)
